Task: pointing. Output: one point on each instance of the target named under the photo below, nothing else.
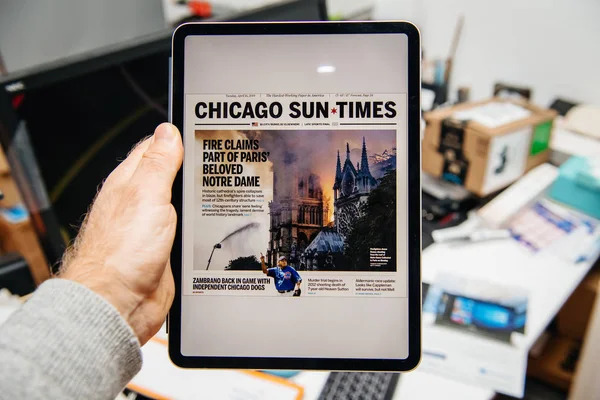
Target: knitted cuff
(77, 338)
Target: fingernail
(164, 132)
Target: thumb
(160, 162)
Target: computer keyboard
(359, 386)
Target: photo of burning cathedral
(298, 211)
(318, 199)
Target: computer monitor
(50, 30)
(295, 10)
(67, 125)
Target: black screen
(80, 128)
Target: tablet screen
(295, 231)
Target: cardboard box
(556, 365)
(21, 237)
(572, 320)
(488, 145)
(586, 384)
(12, 195)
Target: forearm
(66, 342)
(263, 266)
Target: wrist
(83, 323)
(108, 287)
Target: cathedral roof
(326, 242)
(348, 165)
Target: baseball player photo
(286, 278)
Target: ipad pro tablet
(299, 240)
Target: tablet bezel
(414, 195)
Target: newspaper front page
(294, 195)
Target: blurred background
(511, 176)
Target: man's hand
(263, 266)
(123, 248)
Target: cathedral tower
(351, 189)
(298, 212)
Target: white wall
(550, 45)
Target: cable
(85, 158)
(142, 94)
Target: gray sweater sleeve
(66, 342)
